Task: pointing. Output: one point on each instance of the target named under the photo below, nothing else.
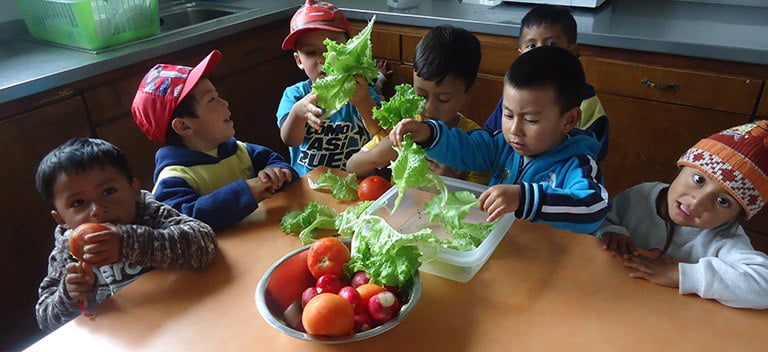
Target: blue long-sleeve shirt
(562, 187)
(211, 186)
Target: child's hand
(102, 248)
(618, 243)
(362, 98)
(275, 176)
(260, 189)
(384, 69)
(79, 280)
(662, 271)
(418, 130)
(499, 200)
(306, 110)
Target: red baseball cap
(161, 90)
(313, 16)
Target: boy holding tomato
(202, 170)
(444, 70)
(89, 181)
(543, 169)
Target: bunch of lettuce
(342, 62)
(405, 103)
(386, 255)
(341, 188)
(411, 169)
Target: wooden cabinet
(762, 108)
(27, 225)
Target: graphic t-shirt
(342, 135)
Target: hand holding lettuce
(343, 61)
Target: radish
(350, 294)
(360, 278)
(363, 321)
(328, 283)
(383, 306)
(307, 295)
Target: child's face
(213, 125)
(442, 102)
(545, 35)
(310, 49)
(95, 195)
(532, 123)
(695, 200)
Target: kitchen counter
(731, 33)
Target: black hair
(549, 66)
(186, 108)
(448, 50)
(549, 15)
(78, 155)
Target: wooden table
(542, 290)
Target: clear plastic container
(410, 217)
(91, 24)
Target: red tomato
(77, 237)
(372, 187)
(327, 255)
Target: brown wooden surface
(762, 109)
(542, 290)
(700, 89)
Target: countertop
(722, 32)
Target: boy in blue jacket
(542, 169)
(203, 171)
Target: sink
(180, 15)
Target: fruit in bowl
(326, 308)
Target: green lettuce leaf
(342, 62)
(405, 103)
(451, 207)
(306, 223)
(341, 188)
(411, 169)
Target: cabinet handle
(661, 86)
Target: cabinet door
(646, 138)
(762, 108)
(701, 89)
(27, 225)
(483, 98)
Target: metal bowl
(278, 299)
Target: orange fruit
(367, 291)
(328, 314)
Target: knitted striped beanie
(737, 158)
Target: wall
(9, 10)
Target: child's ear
(571, 119)
(136, 185)
(180, 126)
(298, 60)
(59, 220)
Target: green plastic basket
(91, 24)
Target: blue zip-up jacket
(211, 187)
(563, 187)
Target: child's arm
(364, 103)
(363, 162)
(164, 238)
(303, 112)
(499, 200)
(272, 166)
(58, 300)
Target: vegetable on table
(341, 188)
(76, 247)
(404, 104)
(315, 216)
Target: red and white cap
(737, 159)
(313, 16)
(161, 90)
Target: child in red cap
(693, 224)
(203, 171)
(311, 141)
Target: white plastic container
(410, 217)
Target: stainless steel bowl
(278, 299)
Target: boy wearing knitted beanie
(692, 225)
